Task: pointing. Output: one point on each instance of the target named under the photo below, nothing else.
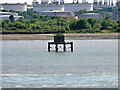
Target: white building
(48, 7)
(60, 5)
(57, 13)
(64, 14)
(78, 6)
(3, 17)
(66, 7)
(15, 6)
(98, 4)
(1, 7)
(90, 15)
(6, 15)
(103, 6)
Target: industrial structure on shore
(67, 14)
(103, 4)
(51, 5)
(48, 5)
(90, 15)
(60, 8)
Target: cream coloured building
(47, 7)
(57, 13)
(64, 7)
(90, 15)
(6, 15)
(15, 6)
(1, 7)
(78, 6)
(3, 17)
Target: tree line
(35, 23)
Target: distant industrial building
(118, 15)
(57, 13)
(48, 5)
(119, 9)
(90, 15)
(15, 6)
(115, 16)
(103, 4)
(6, 15)
(78, 6)
(67, 14)
(1, 7)
(29, 7)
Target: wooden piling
(56, 47)
(71, 46)
(63, 43)
(64, 47)
(48, 47)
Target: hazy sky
(30, 1)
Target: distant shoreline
(92, 36)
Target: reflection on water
(92, 64)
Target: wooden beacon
(59, 38)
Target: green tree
(19, 25)
(107, 17)
(34, 23)
(4, 10)
(22, 20)
(91, 21)
(33, 20)
(33, 27)
(118, 28)
(5, 23)
(82, 24)
(73, 25)
(81, 12)
(11, 18)
(36, 16)
(114, 25)
(38, 27)
(109, 24)
(109, 28)
(97, 26)
(12, 10)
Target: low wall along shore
(67, 36)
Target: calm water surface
(94, 63)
